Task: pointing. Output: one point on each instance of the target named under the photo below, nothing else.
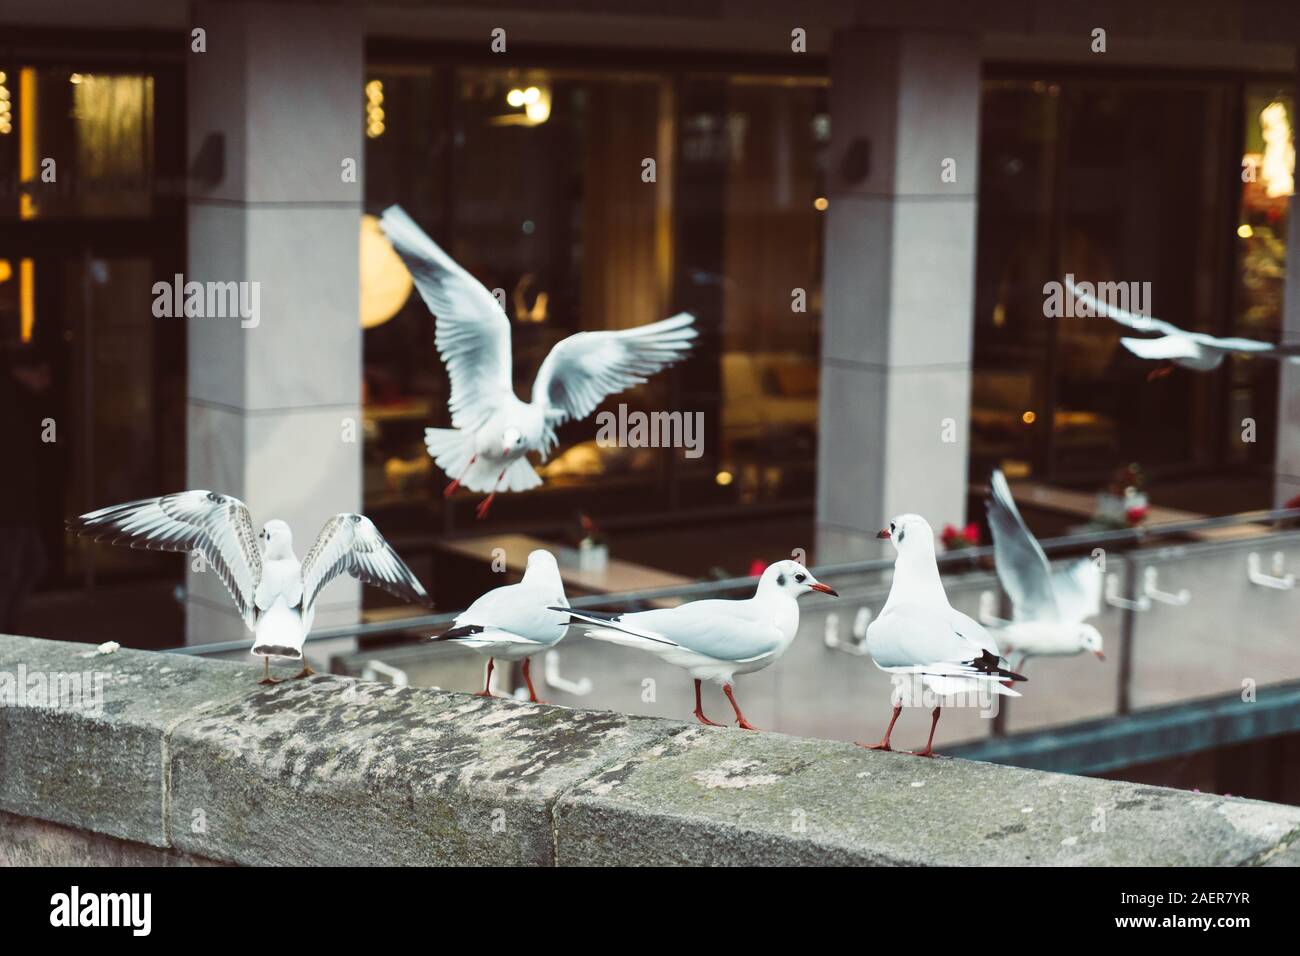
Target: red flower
(756, 568)
(1135, 514)
(972, 533)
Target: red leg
(699, 710)
(487, 682)
(451, 488)
(929, 750)
(741, 722)
(486, 503)
(528, 679)
(884, 744)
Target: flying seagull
(492, 431)
(516, 621)
(274, 591)
(1198, 351)
(1048, 608)
(919, 634)
(715, 640)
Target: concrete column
(274, 409)
(899, 284)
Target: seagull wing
(522, 609)
(1165, 347)
(717, 629)
(1142, 323)
(1078, 590)
(924, 640)
(473, 333)
(1022, 566)
(351, 543)
(217, 526)
(584, 368)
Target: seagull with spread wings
(1048, 607)
(274, 591)
(486, 449)
(1198, 351)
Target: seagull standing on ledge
(516, 621)
(492, 431)
(274, 591)
(918, 632)
(1048, 608)
(716, 640)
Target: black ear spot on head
(901, 532)
(780, 579)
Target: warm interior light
(515, 97)
(26, 299)
(6, 271)
(1245, 231)
(375, 109)
(821, 203)
(532, 95)
(723, 478)
(1029, 418)
(385, 282)
(27, 158)
(1278, 167)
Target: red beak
(1100, 655)
(824, 589)
(883, 533)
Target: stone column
(899, 284)
(274, 408)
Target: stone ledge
(194, 756)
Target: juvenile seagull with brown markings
(274, 591)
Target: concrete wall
(193, 758)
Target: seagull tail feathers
(611, 629)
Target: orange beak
(824, 589)
(883, 533)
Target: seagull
(919, 633)
(1048, 608)
(1198, 351)
(274, 591)
(716, 640)
(516, 621)
(492, 431)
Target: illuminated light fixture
(724, 478)
(1278, 167)
(535, 100)
(75, 78)
(28, 158)
(1029, 418)
(26, 299)
(6, 271)
(6, 108)
(375, 109)
(1244, 230)
(385, 281)
(821, 203)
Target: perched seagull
(493, 431)
(1048, 608)
(716, 640)
(1198, 351)
(274, 591)
(516, 621)
(918, 632)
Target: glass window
(536, 182)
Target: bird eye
(800, 577)
(891, 526)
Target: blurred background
(862, 208)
